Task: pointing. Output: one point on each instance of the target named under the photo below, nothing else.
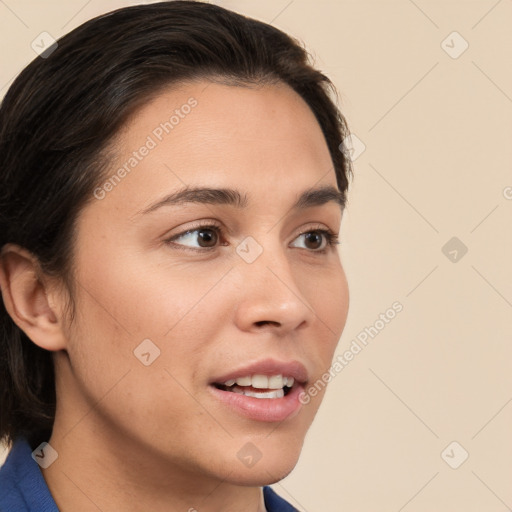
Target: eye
(318, 240)
(205, 236)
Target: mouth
(266, 391)
(259, 386)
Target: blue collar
(23, 488)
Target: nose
(270, 295)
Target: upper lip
(268, 367)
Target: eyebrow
(227, 196)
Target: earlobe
(28, 298)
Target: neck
(97, 470)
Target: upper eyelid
(197, 227)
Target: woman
(171, 194)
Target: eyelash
(332, 238)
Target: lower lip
(262, 409)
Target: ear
(31, 302)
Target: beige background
(437, 165)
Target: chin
(272, 460)
(259, 476)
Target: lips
(264, 391)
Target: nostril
(263, 322)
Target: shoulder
(274, 502)
(22, 486)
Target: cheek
(123, 303)
(140, 299)
(111, 378)
(327, 293)
(330, 300)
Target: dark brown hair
(62, 111)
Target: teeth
(262, 381)
(244, 381)
(278, 393)
(276, 382)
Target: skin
(133, 437)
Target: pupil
(313, 235)
(206, 236)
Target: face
(200, 321)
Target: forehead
(215, 135)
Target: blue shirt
(23, 488)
